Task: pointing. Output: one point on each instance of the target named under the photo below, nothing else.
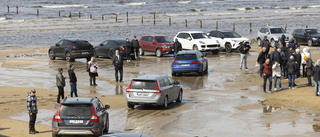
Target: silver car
(157, 90)
(273, 35)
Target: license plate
(185, 65)
(85, 53)
(76, 121)
(142, 94)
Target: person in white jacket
(276, 74)
(305, 55)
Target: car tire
(207, 70)
(173, 74)
(179, 99)
(228, 47)
(158, 53)
(95, 54)
(272, 43)
(310, 42)
(259, 42)
(141, 51)
(165, 102)
(130, 105)
(111, 54)
(215, 52)
(106, 128)
(51, 56)
(195, 47)
(68, 57)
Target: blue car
(189, 61)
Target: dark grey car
(80, 116)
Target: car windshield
(163, 40)
(199, 36)
(231, 35)
(186, 57)
(312, 31)
(76, 110)
(121, 42)
(277, 30)
(143, 84)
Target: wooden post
(116, 17)
(170, 21)
(17, 9)
(200, 23)
(59, 13)
(307, 26)
(186, 23)
(141, 19)
(154, 18)
(250, 28)
(127, 17)
(70, 14)
(37, 12)
(79, 14)
(8, 8)
(216, 25)
(234, 26)
(90, 16)
(285, 27)
(268, 24)
(102, 17)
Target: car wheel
(158, 53)
(228, 47)
(179, 99)
(141, 51)
(195, 47)
(130, 105)
(201, 73)
(106, 128)
(272, 43)
(207, 70)
(215, 52)
(165, 102)
(310, 42)
(259, 41)
(111, 54)
(51, 56)
(173, 74)
(68, 57)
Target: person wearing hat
(176, 47)
(32, 110)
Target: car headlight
(314, 39)
(202, 42)
(165, 47)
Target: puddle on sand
(44, 116)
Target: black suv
(307, 36)
(80, 116)
(71, 49)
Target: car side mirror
(57, 44)
(101, 44)
(56, 106)
(267, 33)
(176, 83)
(107, 107)
(153, 42)
(189, 38)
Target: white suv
(228, 40)
(273, 34)
(198, 40)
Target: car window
(143, 84)
(60, 42)
(199, 36)
(181, 35)
(162, 83)
(215, 34)
(277, 30)
(166, 81)
(171, 80)
(186, 57)
(144, 38)
(105, 42)
(263, 30)
(163, 39)
(231, 35)
(76, 110)
(312, 31)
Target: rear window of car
(186, 57)
(143, 84)
(82, 43)
(76, 110)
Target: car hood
(207, 41)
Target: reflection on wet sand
(316, 127)
(119, 90)
(268, 109)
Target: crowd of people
(286, 61)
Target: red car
(160, 45)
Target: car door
(101, 49)
(304, 36)
(149, 43)
(59, 48)
(175, 88)
(169, 89)
(153, 44)
(143, 43)
(102, 113)
(182, 38)
(201, 59)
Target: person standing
(309, 68)
(272, 54)
(267, 70)
(261, 59)
(276, 74)
(136, 46)
(266, 44)
(291, 67)
(73, 81)
(316, 78)
(286, 59)
(128, 49)
(176, 47)
(292, 44)
(305, 55)
(277, 56)
(244, 49)
(32, 111)
(118, 65)
(60, 81)
(298, 59)
(93, 65)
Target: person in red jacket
(267, 71)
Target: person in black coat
(118, 65)
(128, 49)
(298, 59)
(309, 68)
(316, 78)
(261, 59)
(277, 56)
(291, 68)
(272, 55)
(176, 46)
(266, 44)
(244, 49)
(136, 46)
(73, 81)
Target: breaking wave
(135, 3)
(62, 6)
(206, 2)
(183, 2)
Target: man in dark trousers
(267, 75)
(118, 65)
(60, 81)
(244, 49)
(262, 59)
(32, 111)
(265, 43)
(73, 81)
(298, 59)
(316, 77)
(135, 45)
(176, 46)
(291, 68)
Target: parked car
(273, 34)
(229, 40)
(71, 49)
(189, 61)
(307, 36)
(157, 90)
(108, 48)
(81, 116)
(160, 45)
(126, 135)
(198, 40)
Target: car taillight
(158, 91)
(121, 48)
(94, 117)
(128, 89)
(175, 62)
(195, 62)
(57, 117)
(74, 47)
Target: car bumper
(82, 54)
(167, 51)
(76, 130)
(186, 70)
(210, 47)
(157, 99)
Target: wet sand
(226, 102)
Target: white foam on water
(183, 2)
(314, 6)
(3, 18)
(136, 3)
(206, 2)
(65, 6)
(240, 9)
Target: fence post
(141, 19)
(285, 27)
(17, 9)
(59, 13)
(154, 18)
(37, 12)
(90, 16)
(170, 21)
(307, 26)
(268, 24)
(116, 17)
(102, 17)
(127, 17)
(234, 26)
(216, 25)
(79, 14)
(8, 8)
(250, 28)
(200, 23)
(186, 23)
(70, 14)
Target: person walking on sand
(60, 81)
(305, 55)
(267, 70)
(176, 47)
(266, 44)
(291, 67)
(316, 77)
(136, 46)
(93, 65)
(118, 65)
(298, 59)
(261, 59)
(32, 111)
(276, 74)
(73, 81)
(128, 49)
(309, 68)
(244, 49)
